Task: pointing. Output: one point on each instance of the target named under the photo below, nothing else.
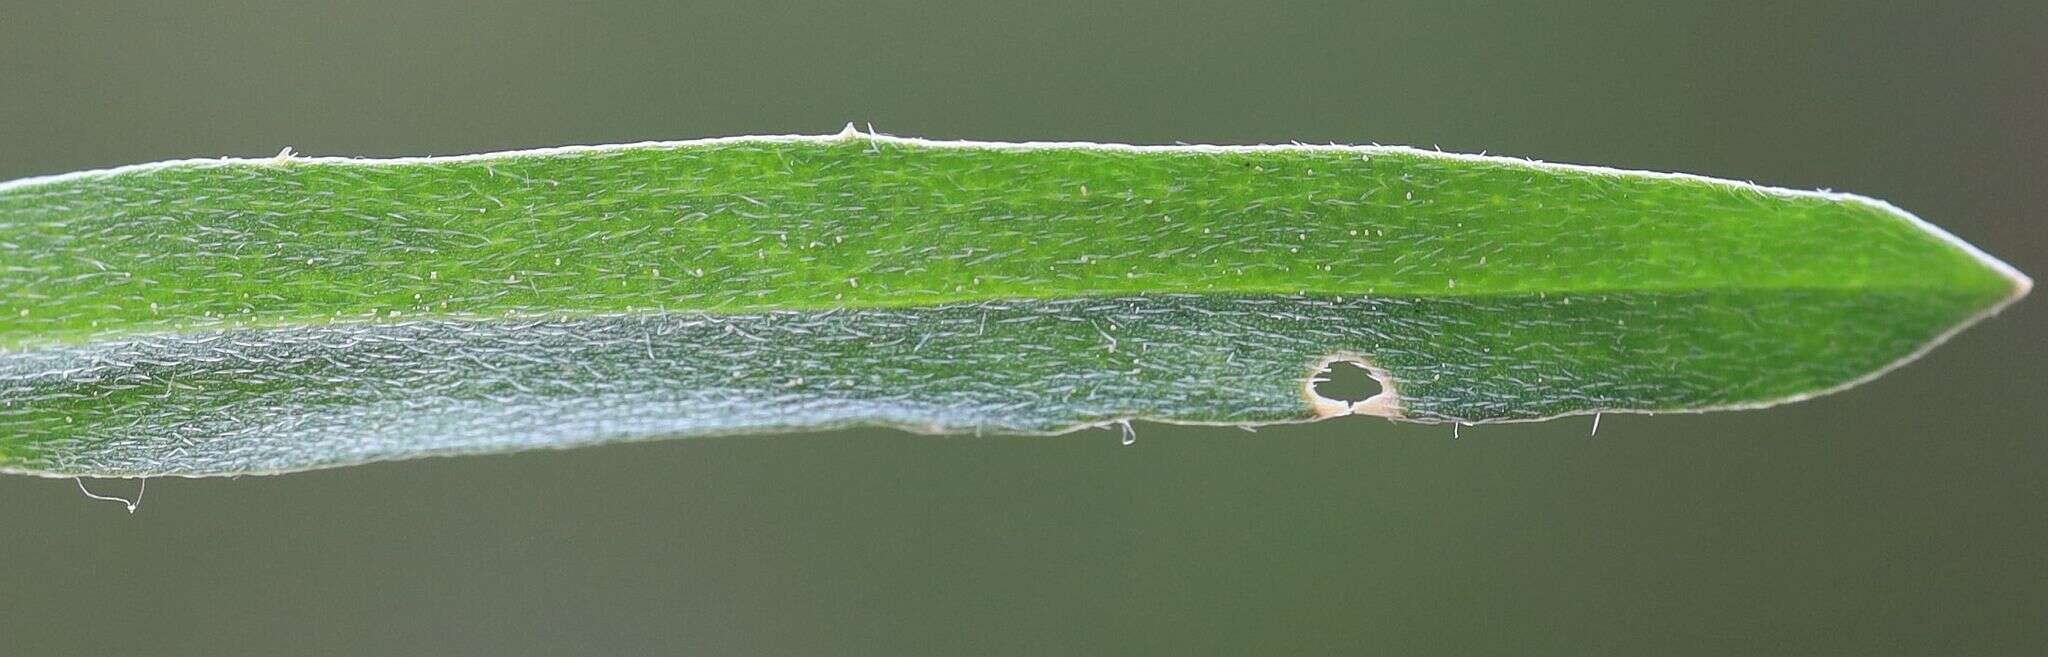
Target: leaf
(211, 317)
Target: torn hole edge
(1386, 404)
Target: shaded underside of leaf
(247, 316)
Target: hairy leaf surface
(251, 316)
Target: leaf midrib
(46, 339)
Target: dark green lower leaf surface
(289, 399)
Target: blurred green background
(1904, 517)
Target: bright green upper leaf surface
(216, 317)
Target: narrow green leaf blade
(252, 316)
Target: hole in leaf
(1347, 382)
